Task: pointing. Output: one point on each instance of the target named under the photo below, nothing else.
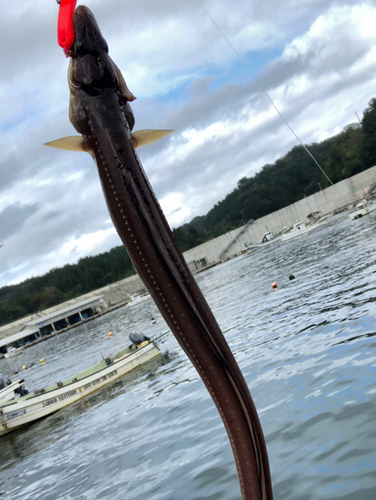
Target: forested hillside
(64, 283)
(286, 181)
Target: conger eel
(100, 112)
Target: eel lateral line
(100, 112)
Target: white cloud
(186, 77)
(173, 209)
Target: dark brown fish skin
(99, 112)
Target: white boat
(38, 404)
(267, 239)
(8, 392)
(138, 299)
(298, 229)
(13, 351)
(363, 208)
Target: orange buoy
(110, 334)
(274, 285)
(24, 367)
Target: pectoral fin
(144, 137)
(71, 143)
(123, 86)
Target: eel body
(100, 112)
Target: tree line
(277, 185)
(64, 283)
(288, 180)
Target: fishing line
(264, 91)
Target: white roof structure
(18, 336)
(33, 327)
(61, 313)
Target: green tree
(369, 135)
(277, 185)
(344, 158)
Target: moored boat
(138, 299)
(9, 390)
(363, 208)
(38, 404)
(300, 228)
(13, 351)
(267, 239)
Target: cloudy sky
(316, 59)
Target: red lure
(65, 33)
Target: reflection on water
(24, 442)
(307, 351)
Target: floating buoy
(274, 285)
(153, 321)
(24, 367)
(110, 334)
(41, 360)
(291, 277)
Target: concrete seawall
(328, 200)
(212, 252)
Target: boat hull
(361, 213)
(296, 233)
(11, 354)
(19, 413)
(136, 302)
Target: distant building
(42, 326)
(197, 265)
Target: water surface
(307, 350)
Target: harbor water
(308, 353)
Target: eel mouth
(87, 35)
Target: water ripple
(307, 351)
